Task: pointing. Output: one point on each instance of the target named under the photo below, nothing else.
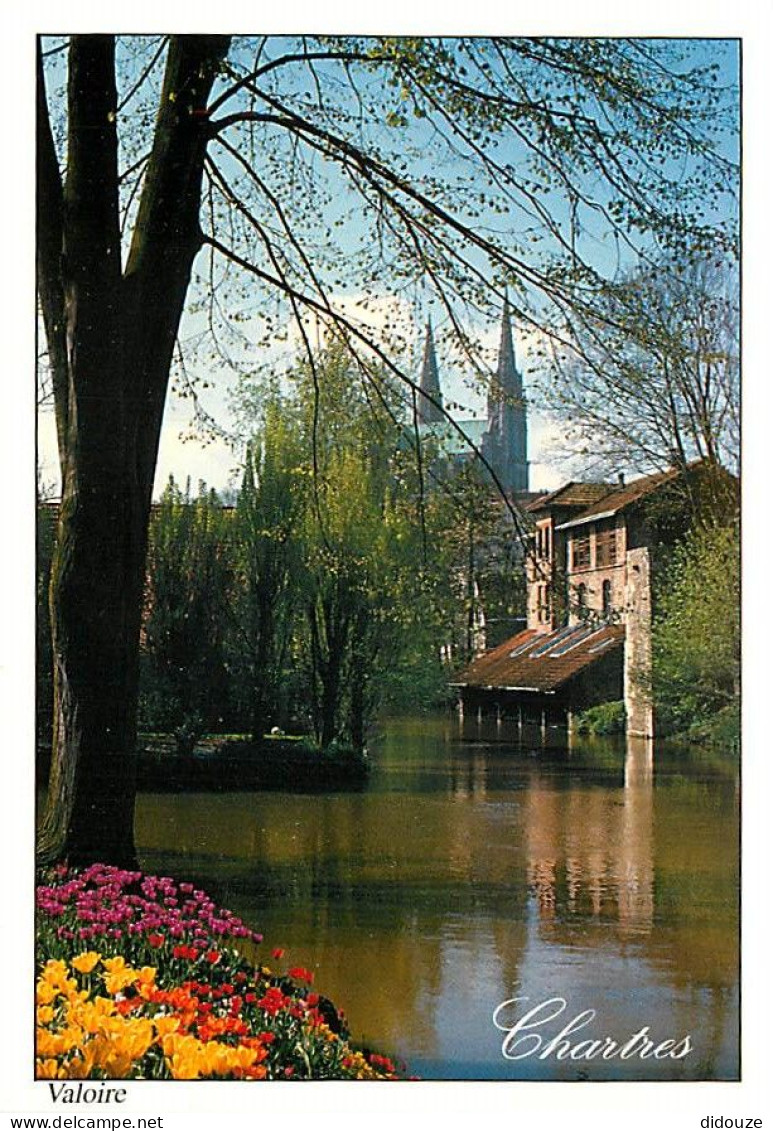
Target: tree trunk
(110, 382)
(262, 663)
(357, 711)
(96, 598)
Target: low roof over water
(541, 662)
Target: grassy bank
(220, 763)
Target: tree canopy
(379, 168)
(697, 632)
(662, 388)
(299, 181)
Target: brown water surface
(475, 868)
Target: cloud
(399, 328)
(387, 319)
(544, 434)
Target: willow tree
(309, 168)
(269, 514)
(183, 666)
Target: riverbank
(236, 763)
(232, 763)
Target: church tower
(427, 412)
(505, 439)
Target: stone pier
(637, 653)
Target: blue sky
(216, 461)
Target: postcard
(385, 683)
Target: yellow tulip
(55, 971)
(118, 981)
(183, 1068)
(79, 1067)
(114, 965)
(115, 1064)
(53, 1044)
(214, 1059)
(45, 993)
(134, 1039)
(85, 963)
(48, 1070)
(242, 1057)
(92, 1015)
(166, 1025)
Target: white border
(596, 1106)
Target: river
(475, 868)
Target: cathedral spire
(508, 377)
(505, 440)
(507, 381)
(429, 384)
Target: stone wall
(637, 663)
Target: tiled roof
(527, 499)
(572, 494)
(561, 656)
(619, 498)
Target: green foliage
(333, 587)
(722, 730)
(697, 630)
(323, 596)
(420, 683)
(184, 685)
(380, 572)
(308, 603)
(605, 718)
(478, 564)
(362, 549)
(266, 556)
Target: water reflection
(590, 853)
(471, 871)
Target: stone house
(546, 565)
(589, 569)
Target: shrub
(722, 730)
(697, 632)
(606, 718)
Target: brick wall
(596, 570)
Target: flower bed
(140, 978)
